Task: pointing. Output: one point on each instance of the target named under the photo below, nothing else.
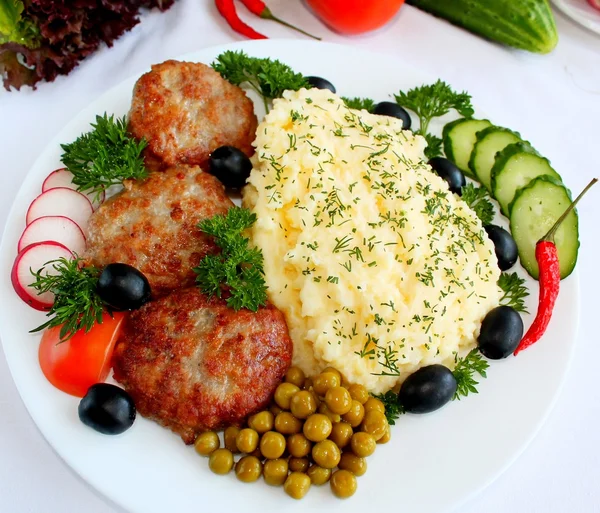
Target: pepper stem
(268, 15)
(549, 237)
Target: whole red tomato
(355, 16)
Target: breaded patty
(186, 110)
(152, 225)
(193, 364)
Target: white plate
(581, 12)
(433, 463)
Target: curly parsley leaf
(393, 409)
(359, 103)
(14, 28)
(76, 305)
(238, 269)
(434, 146)
(514, 290)
(105, 156)
(434, 100)
(478, 200)
(464, 371)
(268, 77)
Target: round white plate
(581, 12)
(433, 463)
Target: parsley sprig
(77, 305)
(105, 156)
(268, 77)
(238, 269)
(359, 103)
(465, 370)
(479, 200)
(393, 409)
(432, 101)
(514, 290)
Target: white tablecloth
(554, 100)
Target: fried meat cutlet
(186, 110)
(193, 364)
(152, 225)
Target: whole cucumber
(525, 24)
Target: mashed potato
(378, 268)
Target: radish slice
(64, 178)
(54, 228)
(61, 202)
(595, 4)
(33, 258)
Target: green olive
(275, 472)
(359, 393)
(206, 443)
(261, 422)
(325, 381)
(272, 445)
(387, 437)
(298, 445)
(355, 415)
(374, 423)
(248, 469)
(287, 424)
(221, 461)
(303, 404)
(341, 434)
(247, 440)
(374, 404)
(284, 394)
(295, 376)
(299, 464)
(343, 484)
(363, 444)
(333, 417)
(297, 485)
(318, 475)
(229, 437)
(326, 454)
(317, 427)
(338, 400)
(353, 463)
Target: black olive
(107, 408)
(505, 246)
(427, 389)
(447, 170)
(393, 110)
(123, 287)
(321, 83)
(231, 166)
(501, 332)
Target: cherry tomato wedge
(355, 16)
(74, 365)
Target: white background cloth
(554, 100)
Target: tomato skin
(355, 16)
(76, 364)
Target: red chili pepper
(547, 259)
(227, 10)
(259, 8)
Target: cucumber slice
(515, 166)
(534, 210)
(489, 142)
(459, 138)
